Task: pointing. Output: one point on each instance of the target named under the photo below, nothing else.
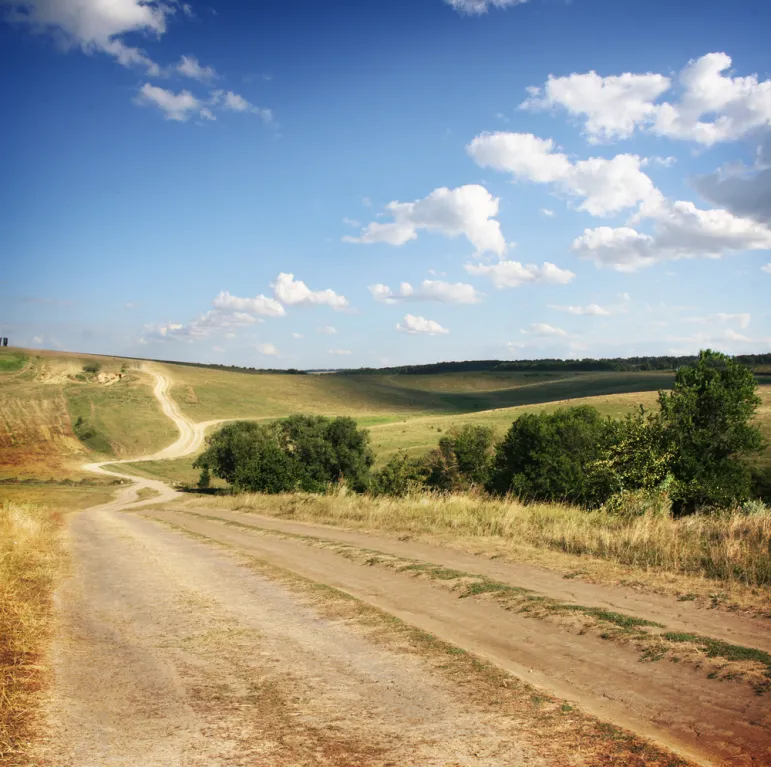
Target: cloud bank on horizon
(633, 200)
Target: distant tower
(5, 341)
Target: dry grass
(723, 558)
(31, 555)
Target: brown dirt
(684, 616)
(714, 722)
(170, 653)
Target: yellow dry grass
(720, 557)
(31, 556)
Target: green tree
(552, 457)
(300, 452)
(461, 460)
(400, 475)
(707, 425)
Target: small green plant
(92, 368)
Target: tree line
(693, 451)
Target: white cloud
(234, 102)
(351, 222)
(547, 212)
(468, 210)
(260, 305)
(613, 106)
(293, 292)
(327, 330)
(96, 25)
(210, 323)
(428, 290)
(542, 329)
(420, 326)
(680, 230)
(711, 108)
(340, 352)
(512, 274)
(472, 7)
(742, 320)
(267, 349)
(593, 310)
(175, 106)
(189, 67)
(605, 186)
(766, 268)
(297, 335)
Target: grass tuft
(30, 557)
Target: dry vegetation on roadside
(724, 559)
(31, 556)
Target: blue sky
(329, 184)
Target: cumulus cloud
(547, 212)
(175, 106)
(327, 330)
(680, 230)
(766, 268)
(291, 292)
(260, 305)
(269, 350)
(420, 326)
(234, 102)
(467, 210)
(477, 7)
(95, 25)
(605, 186)
(428, 290)
(297, 335)
(210, 323)
(544, 330)
(512, 274)
(189, 67)
(712, 106)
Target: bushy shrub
(462, 459)
(298, 453)
(399, 477)
(551, 457)
(92, 368)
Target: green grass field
(204, 394)
(54, 416)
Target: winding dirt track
(172, 652)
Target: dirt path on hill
(172, 652)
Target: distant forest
(614, 364)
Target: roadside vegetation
(670, 490)
(31, 557)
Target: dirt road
(172, 650)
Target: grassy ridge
(54, 416)
(205, 394)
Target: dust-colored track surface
(673, 704)
(170, 652)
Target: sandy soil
(170, 653)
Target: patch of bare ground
(717, 658)
(173, 652)
(715, 722)
(719, 563)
